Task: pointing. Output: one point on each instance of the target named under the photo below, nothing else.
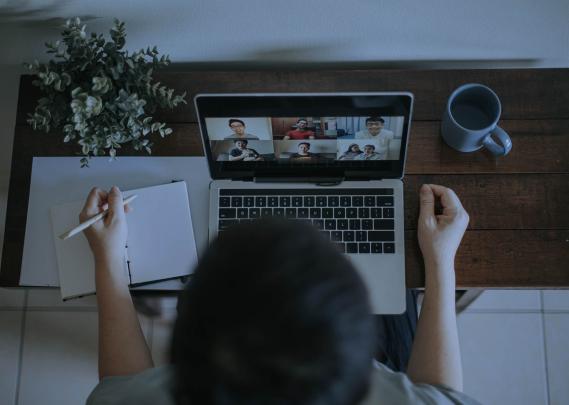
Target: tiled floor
(514, 347)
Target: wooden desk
(519, 204)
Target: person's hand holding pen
(107, 238)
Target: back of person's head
(273, 314)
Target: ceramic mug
(471, 119)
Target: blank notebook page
(160, 241)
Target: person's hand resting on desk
(435, 356)
(122, 347)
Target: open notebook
(160, 242)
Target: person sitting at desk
(369, 154)
(242, 153)
(301, 131)
(239, 130)
(353, 152)
(292, 326)
(303, 153)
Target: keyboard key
(266, 212)
(376, 213)
(369, 201)
(319, 223)
(361, 236)
(383, 224)
(321, 201)
(345, 201)
(278, 212)
(341, 247)
(302, 213)
(273, 201)
(254, 212)
(363, 247)
(285, 201)
(342, 224)
(337, 236)
(388, 212)
(290, 212)
(261, 201)
(227, 213)
(389, 248)
(224, 201)
(351, 248)
(355, 224)
(249, 201)
(226, 223)
(385, 191)
(236, 201)
(367, 224)
(330, 224)
(363, 212)
(315, 213)
(385, 201)
(309, 201)
(327, 213)
(351, 212)
(339, 213)
(357, 201)
(381, 236)
(333, 201)
(242, 213)
(297, 201)
(349, 236)
(376, 247)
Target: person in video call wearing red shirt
(301, 132)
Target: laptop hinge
(319, 181)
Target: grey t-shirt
(153, 387)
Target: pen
(93, 219)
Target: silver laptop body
(383, 273)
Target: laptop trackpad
(384, 276)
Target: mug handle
(493, 147)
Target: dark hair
(241, 140)
(302, 119)
(273, 314)
(369, 146)
(303, 143)
(351, 146)
(232, 120)
(375, 119)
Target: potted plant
(100, 95)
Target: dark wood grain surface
(519, 204)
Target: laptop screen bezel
(243, 105)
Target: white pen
(93, 219)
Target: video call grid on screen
(305, 139)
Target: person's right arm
(435, 356)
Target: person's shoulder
(152, 387)
(387, 386)
(360, 134)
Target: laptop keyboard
(355, 220)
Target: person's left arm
(122, 347)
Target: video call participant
(369, 154)
(352, 153)
(243, 153)
(301, 131)
(238, 128)
(374, 130)
(303, 153)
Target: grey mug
(471, 119)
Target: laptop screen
(359, 135)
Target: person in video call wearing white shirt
(369, 154)
(374, 130)
(275, 314)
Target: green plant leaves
(98, 93)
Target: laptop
(334, 160)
